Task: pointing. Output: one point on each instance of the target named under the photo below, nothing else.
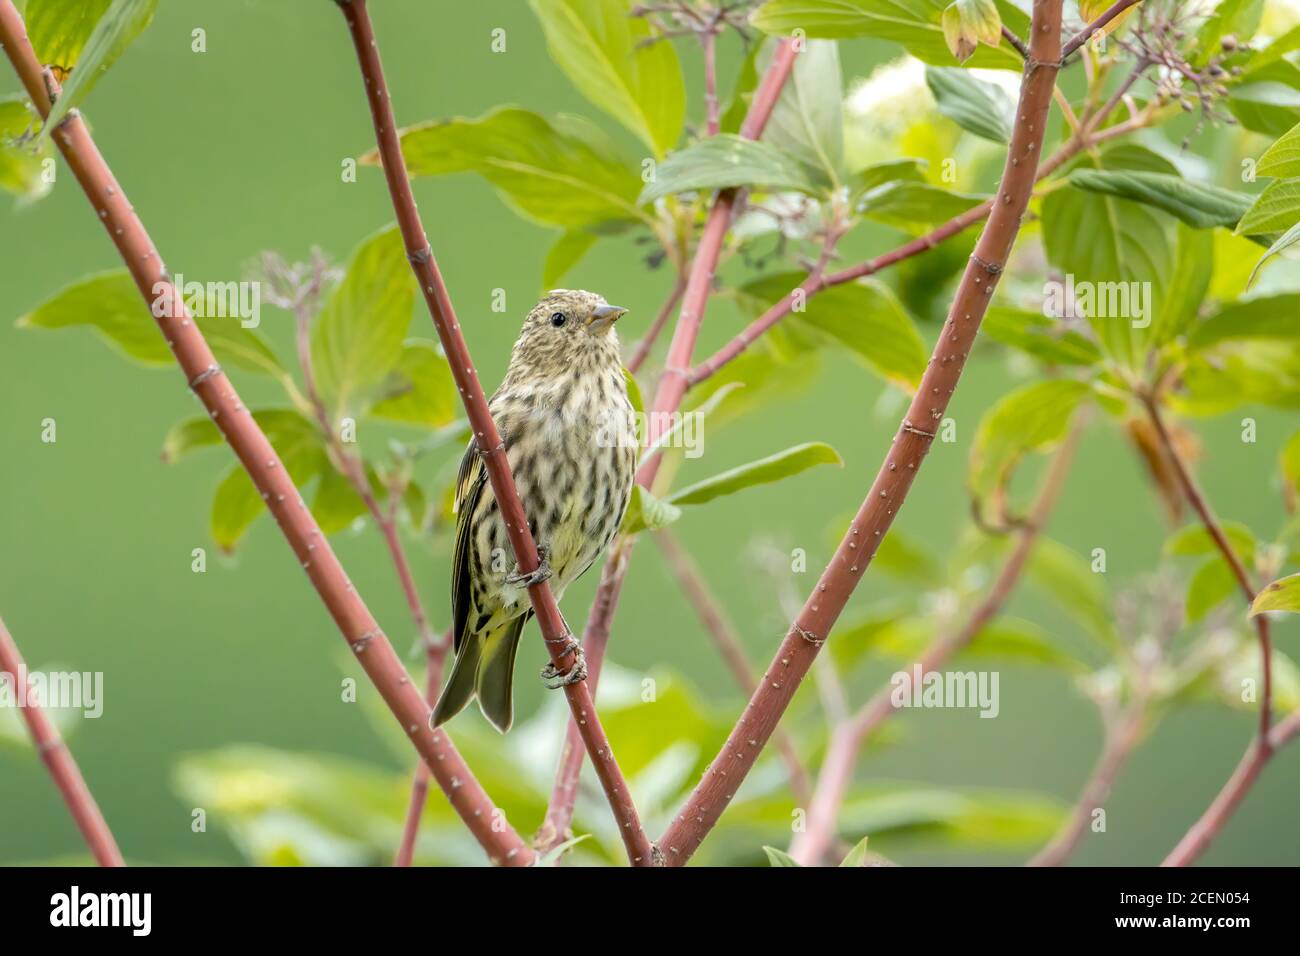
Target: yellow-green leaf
(618, 63)
(783, 464)
(1282, 595)
(968, 23)
(356, 343)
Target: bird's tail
(484, 669)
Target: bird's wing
(469, 490)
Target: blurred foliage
(1200, 319)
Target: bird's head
(567, 330)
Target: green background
(237, 150)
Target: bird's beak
(604, 316)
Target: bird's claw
(542, 572)
(554, 678)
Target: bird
(567, 424)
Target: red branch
(1084, 35)
(651, 336)
(813, 624)
(672, 387)
(54, 753)
(1087, 136)
(810, 847)
(555, 632)
(434, 657)
(264, 467)
(1199, 837)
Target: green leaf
(723, 161)
(110, 303)
(1269, 101)
(1210, 586)
(201, 432)
(356, 340)
(764, 471)
(421, 391)
(22, 162)
(58, 30)
(1239, 18)
(1282, 159)
(618, 63)
(878, 174)
(336, 503)
(1276, 209)
(645, 512)
(1282, 595)
(858, 855)
(916, 25)
(1013, 639)
(564, 254)
(976, 106)
(1186, 288)
(968, 23)
(557, 173)
(913, 205)
(1263, 317)
(1283, 242)
(863, 316)
(113, 33)
(808, 120)
(634, 393)
(1030, 418)
(1284, 44)
(1035, 334)
(1197, 204)
(1066, 577)
(900, 557)
(1195, 540)
(777, 857)
(1103, 240)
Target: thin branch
(1010, 36)
(1084, 35)
(1201, 505)
(647, 343)
(595, 638)
(259, 458)
(353, 468)
(672, 388)
(1086, 137)
(434, 657)
(889, 491)
(719, 627)
(563, 650)
(48, 744)
(699, 282)
(1119, 745)
(1258, 753)
(847, 739)
(709, 40)
(1203, 832)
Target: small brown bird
(565, 418)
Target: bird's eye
(558, 319)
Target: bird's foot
(542, 572)
(554, 678)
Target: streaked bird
(564, 415)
